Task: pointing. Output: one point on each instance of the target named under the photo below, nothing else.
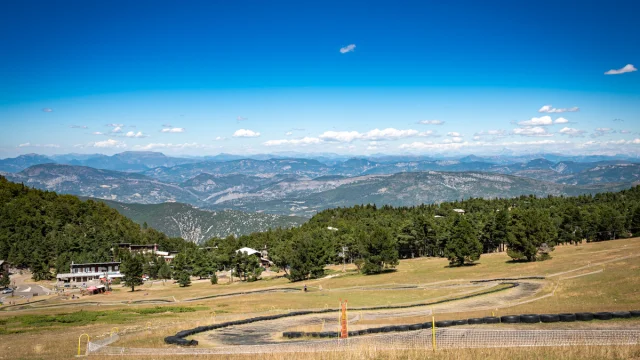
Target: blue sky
(358, 78)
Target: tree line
(46, 231)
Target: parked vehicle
(7, 291)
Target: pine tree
(164, 272)
(4, 279)
(379, 251)
(528, 231)
(184, 279)
(464, 246)
(133, 269)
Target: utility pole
(344, 258)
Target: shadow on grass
(459, 266)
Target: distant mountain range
(301, 187)
(196, 225)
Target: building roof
(1, 262)
(99, 263)
(459, 211)
(248, 251)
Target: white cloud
(571, 132)
(47, 109)
(489, 135)
(455, 139)
(428, 133)
(431, 122)
(454, 134)
(28, 144)
(302, 142)
(541, 121)
(625, 131)
(550, 109)
(97, 133)
(340, 136)
(602, 132)
(531, 131)
(166, 125)
(373, 135)
(109, 144)
(635, 141)
(288, 133)
(220, 138)
(561, 120)
(153, 146)
(626, 69)
(117, 129)
(246, 133)
(376, 145)
(348, 48)
(241, 118)
(78, 127)
(173, 130)
(133, 134)
(115, 125)
(388, 134)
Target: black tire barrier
(603, 315)
(491, 320)
(363, 332)
(530, 318)
(444, 323)
(374, 330)
(549, 318)
(461, 322)
(475, 321)
(621, 314)
(415, 327)
(427, 325)
(510, 319)
(567, 317)
(386, 329)
(185, 333)
(585, 316)
(635, 313)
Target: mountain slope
(104, 184)
(404, 189)
(22, 162)
(196, 225)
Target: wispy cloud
(173, 130)
(347, 49)
(117, 130)
(47, 109)
(618, 120)
(373, 135)
(288, 133)
(454, 134)
(241, 118)
(296, 142)
(571, 132)
(489, 134)
(602, 132)
(246, 133)
(626, 69)
(220, 138)
(108, 144)
(28, 144)
(625, 131)
(166, 125)
(531, 131)
(78, 126)
(194, 145)
(551, 109)
(561, 120)
(431, 122)
(115, 125)
(97, 133)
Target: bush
(214, 279)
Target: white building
(90, 273)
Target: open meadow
(591, 277)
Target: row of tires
(508, 279)
(508, 319)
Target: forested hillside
(377, 236)
(42, 229)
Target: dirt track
(267, 332)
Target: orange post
(344, 331)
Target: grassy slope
(616, 288)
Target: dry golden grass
(616, 288)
